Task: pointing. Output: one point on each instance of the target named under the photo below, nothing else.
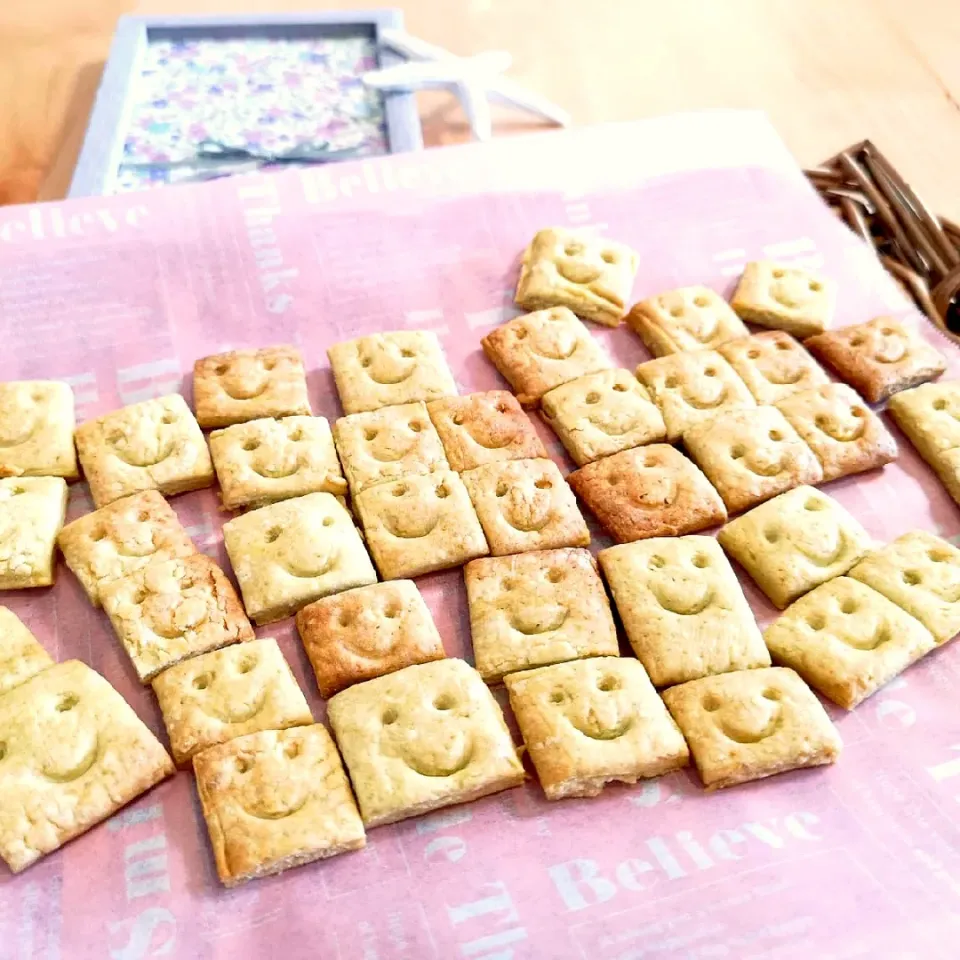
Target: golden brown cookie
(773, 365)
(36, 429)
(32, 510)
(785, 298)
(691, 318)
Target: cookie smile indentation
(698, 403)
(613, 428)
(410, 527)
(22, 435)
(390, 379)
(428, 768)
(305, 572)
(134, 459)
(75, 772)
(243, 391)
(236, 716)
(684, 607)
(261, 813)
(738, 734)
(605, 733)
(825, 560)
(784, 380)
(530, 625)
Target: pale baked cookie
(72, 752)
(795, 542)
(173, 609)
(32, 510)
(785, 298)
(844, 433)
(571, 268)
(153, 445)
(21, 656)
(388, 443)
(691, 318)
(249, 384)
(847, 640)
(420, 524)
(423, 738)
(483, 427)
(753, 724)
(539, 351)
(920, 573)
(652, 491)
(227, 693)
(682, 608)
(118, 539)
(36, 429)
(878, 358)
(773, 365)
(275, 800)
(383, 369)
(751, 456)
(535, 609)
(525, 505)
(602, 413)
(267, 460)
(692, 387)
(588, 722)
(367, 632)
(287, 554)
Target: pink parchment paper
(118, 296)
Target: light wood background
(829, 72)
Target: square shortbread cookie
(692, 387)
(691, 318)
(118, 539)
(571, 268)
(387, 444)
(525, 505)
(274, 800)
(602, 413)
(288, 554)
(682, 608)
(847, 640)
(751, 456)
(920, 573)
(245, 385)
(383, 369)
(773, 365)
(844, 433)
(483, 427)
(36, 429)
(753, 724)
(588, 722)
(154, 445)
(795, 542)
(426, 737)
(539, 351)
(785, 298)
(173, 609)
(267, 460)
(535, 609)
(32, 510)
(21, 656)
(226, 693)
(878, 358)
(652, 491)
(72, 752)
(366, 633)
(420, 524)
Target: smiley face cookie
(154, 445)
(21, 656)
(173, 609)
(569, 268)
(785, 298)
(588, 722)
(32, 510)
(275, 800)
(541, 350)
(846, 640)
(878, 358)
(72, 752)
(773, 365)
(36, 429)
(537, 608)
(384, 369)
(423, 738)
(601, 414)
(652, 491)
(245, 385)
(227, 693)
(287, 554)
(751, 456)
(367, 632)
(682, 608)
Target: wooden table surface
(829, 72)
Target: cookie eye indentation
(656, 563)
(220, 369)
(557, 696)
(328, 521)
(592, 397)
(701, 301)
(555, 575)
(443, 491)
(292, 750)
(701, 560)
(389, 716)
(711, 703)
(246, 664)
(939, 404)
(202, 682)
(608, 256)
(608, 683)
(543, 484)
(501, 490)
(849, 606)
(772, 694)
(444, 702)
(816, 621)
(251, 444)
(416, 426)
(620, 387)
(400, 490)
(67, 702)
(273, 534)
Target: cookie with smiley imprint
(21, 655)
(32, 511)
(773, 365)
(246, 385)
(37, 421)
(785, 298)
